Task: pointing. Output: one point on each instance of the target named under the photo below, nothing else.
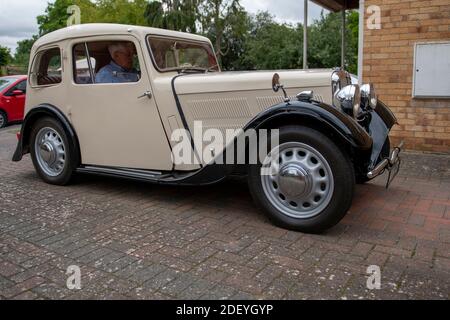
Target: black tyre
(311, 189)
(3, 119)
(52, 152)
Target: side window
(82, 68)
(47, 68)
(105, 62)
(22, 86)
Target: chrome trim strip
(395, 153)
(386, 163)
(141, 174)
(207, 175)
(88, 58)
(378, 169)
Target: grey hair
(113, 48)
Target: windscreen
(174, 54)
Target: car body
(329, 131)
(12, 99)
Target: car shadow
(230, 199)
(231, 194)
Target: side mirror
(17, 93)
(276, 82)
(276, 86)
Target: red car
(12, 99)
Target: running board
(205, 176)
(125, 173)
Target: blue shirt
(113, 73)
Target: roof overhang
(337, 5)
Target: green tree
(5, 56)
(272, 45)
(154, 14)
(241, 41)
(223, 21)
(119, 11)
(325, 42)
(217, 18)
(236, 37)
(179, 15)
(352, 41)
(22, 55)
(56, 15)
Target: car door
(118, 124)
(19, 100)
(16, 103)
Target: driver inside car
(120, 69)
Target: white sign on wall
(431, 70)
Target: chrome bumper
(392, 164)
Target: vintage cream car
(108, 99)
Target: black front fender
(43, 110)
(315, 112)
(386, 114)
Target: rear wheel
(306, 184)
(3, 119)
(51, 152)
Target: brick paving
(140, 241)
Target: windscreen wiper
(192, 69)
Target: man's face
(124, 57)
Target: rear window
(47, 68)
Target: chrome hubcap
(297, 180)
(50, 152)
(294, 181)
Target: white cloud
(290, 11)
(18, 20)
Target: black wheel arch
(319, 116)
(44, 110)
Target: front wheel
(51, 152)
(305, 184)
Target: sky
(18, 17)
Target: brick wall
(389, 61)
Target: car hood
(251, 80)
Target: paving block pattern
(140, 241)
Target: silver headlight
(369, 96)
(339, 79)
(349, 100)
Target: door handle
(147, 94)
